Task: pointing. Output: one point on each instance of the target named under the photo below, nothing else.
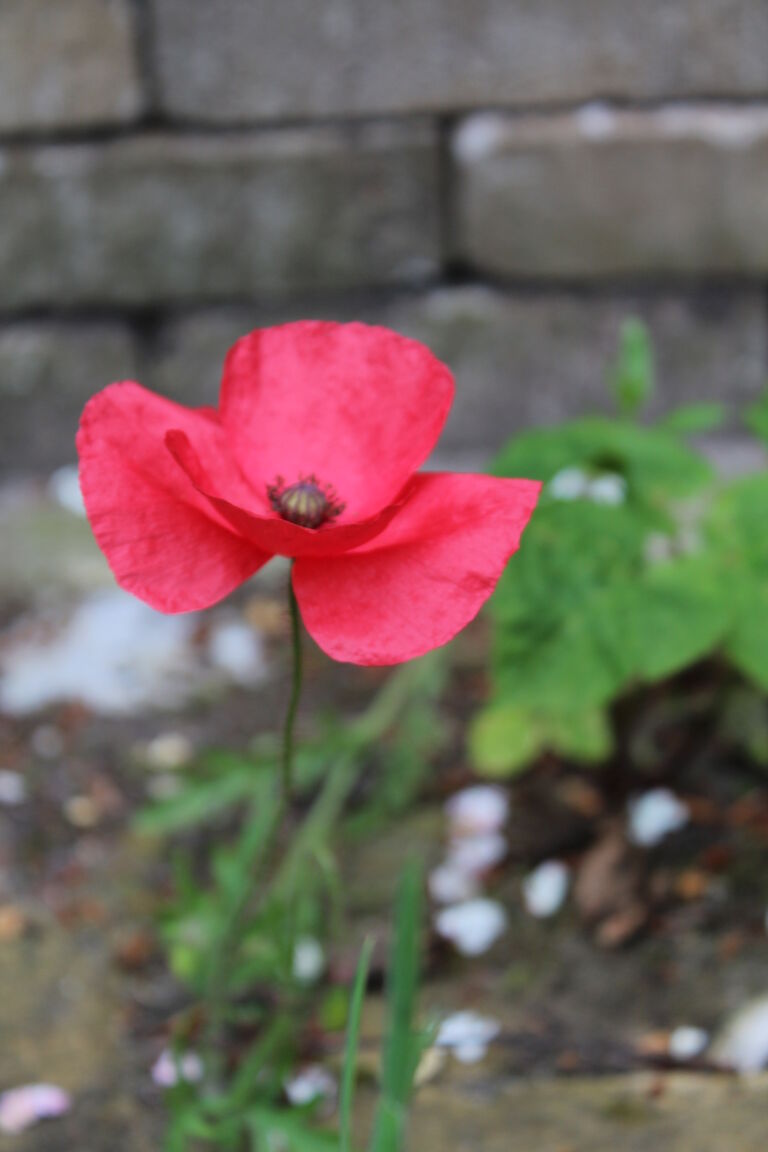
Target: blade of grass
(403, 1046)
(353, 1040)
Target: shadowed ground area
(585, 1000)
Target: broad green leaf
(584, 735)
(674, 615)
(656, 464)
(503, 740)
(693, 419)
(747, 647)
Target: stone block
(67, 64)
(159, 219)
(250, 60)
(47, 372)
(519, 359)
(679, 191)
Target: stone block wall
(506, 180)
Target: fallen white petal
(545, 889)
(608, 489)
(170, 1068)
(448, 884)
(686, 1043)
(20, 1108)
(473, 926)
(743, 1044)
(13, 788)
(308, 960)
(655, 815)
(311, 1083)
(475, 855)
(468, 1035)
(568, 484)
(477, 810)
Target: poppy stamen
(307, 503)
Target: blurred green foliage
(637, 564)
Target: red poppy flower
(312, 454)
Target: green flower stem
(296, 681)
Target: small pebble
(168, 751)
(82, 812)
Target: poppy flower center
(307, 503)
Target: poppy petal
(424, 578)
(360, 407)
(163, 540)
(271, 532)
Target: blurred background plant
(639, 566)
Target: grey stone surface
(676, 191)
(641, 1113)
(67, 64)
(518, 359)
(47, 372)
(156, 219)
(251, 59)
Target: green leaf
(584, 735)
(747, 647)
(654, 462)
(503, 740)
(197, 803)
(693, 419)
(266, 1124)
(674, 615)
(632, 377)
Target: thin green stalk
(290, 719)
(261, 829)
(353, 1041)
